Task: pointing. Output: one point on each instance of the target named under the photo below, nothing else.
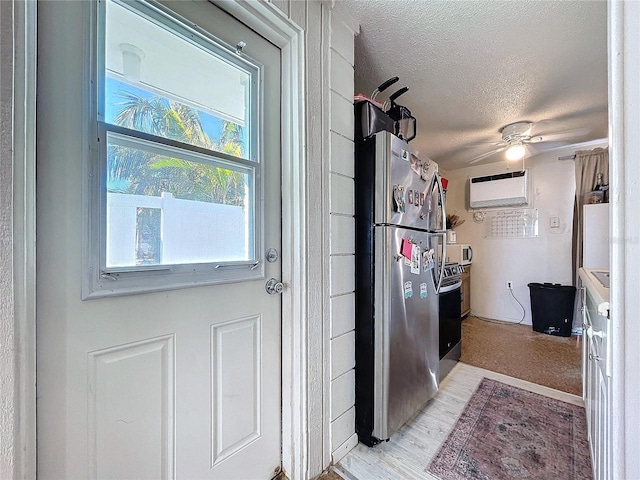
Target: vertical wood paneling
(340, 451)
(343, 393)
(342, 39)
(342, 195)
(342, 274)
(341, 75)
(339, 92)
(343, 427)
(308, 14)
(342, 354)
(342, 119)
(342, 152)
(343, 313)
(342, 234)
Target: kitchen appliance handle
(394, 96)
(470, 254)
(443, 233)
(450, 288)
(415, 130)
(383, 86)
(442, 260)
(442, 199)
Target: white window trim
(101, 281)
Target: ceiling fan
(517, 137)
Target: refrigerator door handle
(442, 260)
(442, 199)
(443, 231)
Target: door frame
(269, 22)
(623, 57)
(18, 321)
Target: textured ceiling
(473, 67)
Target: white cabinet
(596, 377)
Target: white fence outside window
(190, 231)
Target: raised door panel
(131, 410)
(236, 379)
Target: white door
(155, 378)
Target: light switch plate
(554, 222)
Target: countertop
(599, 293)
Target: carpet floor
(507, 433)
(518, 351)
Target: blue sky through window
(211, 124)
(130, 172)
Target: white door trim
(18, 459)
(271, 23)
(624, 170)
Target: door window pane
(171, 101)
(166, 206)
(163, 83)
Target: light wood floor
(410, 450)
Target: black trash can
(552, 308)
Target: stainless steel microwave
(460, 253)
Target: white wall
(496, 260)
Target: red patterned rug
(505, 433)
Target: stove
(450, 318)
(452, 276)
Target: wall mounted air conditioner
(501, 190)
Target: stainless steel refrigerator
(400, 251)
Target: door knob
(273, 286)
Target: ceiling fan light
(515, 152)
